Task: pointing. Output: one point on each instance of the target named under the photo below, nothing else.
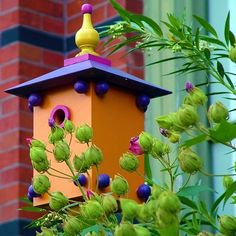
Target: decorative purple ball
(86, 8)
(81, 86)
(103, 181)
(143, 192)
(82, 180)
(30, 198)
(31, 192)
(101, 88)
(143, 100)
(35, 99)
(31, 108)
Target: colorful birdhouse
(88, 90)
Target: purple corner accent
(87, 57)
(86, 8)
(61, 111)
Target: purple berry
(35, 99)
(31, 192)
(143, 191)
(143, 101)
(82, 179)
(81, 86)
(30, 198)
(101, 88)
(103, 181)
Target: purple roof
(88, 70)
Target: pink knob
(86, 8)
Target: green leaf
(194, 190)
(229, 81)
(212, 40)
(220, 69)
(32, 209)
(206, 25)
(207, 53)
(219, 135)
(217, 202)
(229, 192)
(197, 38)
(122, 12)
(186, 201)
(200, 138)
(232, 38)
(227, 28)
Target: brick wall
(35, 38)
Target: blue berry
(81, 86)
(101, 88)
(143, 192)
(30, 198)
(103, 181)
(31, 192)
(82, 179)
(35, 99)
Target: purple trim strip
(86, 57)
(62, 108)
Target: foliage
(168, 210)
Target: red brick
(118, 58)
(8, 4)
(74, 7)
(9, 53)
(135, 59)
(9, 19)
(9, 140)
(9, 157)
(136, 8)
(53, 25)
(30, 19)
(44, 6)
(74, 24)
(30, 52)
(6, 85)
(136, 72)
(28, 214)
(9, 212)
(52, 58)
(99, 14)
(10, 105)
(26, 119)
(10, 70)
(32, 70)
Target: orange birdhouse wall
(114, 119)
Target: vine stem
(185, 184)
(60, 172)
(97, 169)
(61, 177)
(215, 175)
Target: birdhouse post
(88, 90)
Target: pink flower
(134, 147)
(89, 194)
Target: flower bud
(41, 166)
(145, 141)
(135, 147)
(125, 229)
(45, 232)
(129, 208)
(69, 126)
(41, 184)
(109, 204)
(37, 143)
(84, 134)
(57, 201)
(166, 121)
(228, 225)
(205, 234)
(37, 154)
(232, 54)
(93, 209)
(227, 181)
(165, 217)
(129, 162)
(152, 206)
(169, 202)
(143, 213)
(188, 86)
(157, 148)
(156, 191)
(61, 151)
(189, 161)
(119, 186)
(141, 231)
(72, 226)
(187, 115)
(174, 137)
(93, 155)
(56, 135)
(197, 96)
(218, 112)
(80, 164)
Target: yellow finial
(87, 37)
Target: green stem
(215, 175)
(185, 184)
(68, 163)
(60, 172)
(97, 169)
(61, 177)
